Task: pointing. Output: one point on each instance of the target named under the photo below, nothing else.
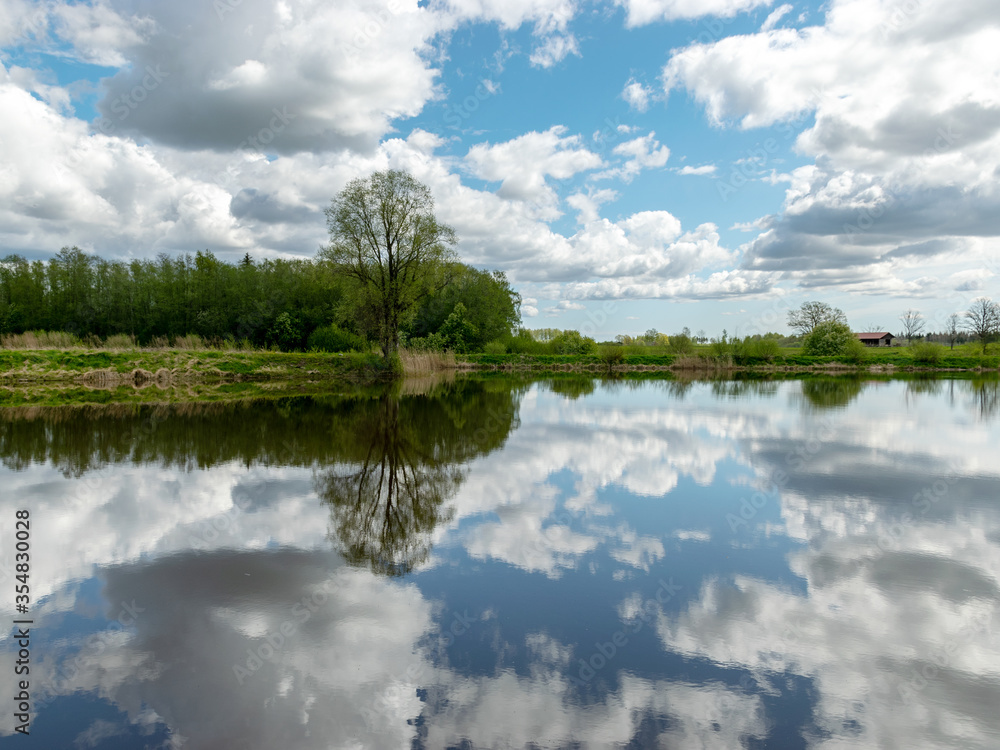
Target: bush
(611, 356)
(571, 342)
(681, 343)
(495, 347)
(927, 353)
(755, 350)
(333, 338)
(456, 331)
(720, 349)
(855, 352)
(829, 339)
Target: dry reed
(421, 362)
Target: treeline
(289, 304)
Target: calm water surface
(567, 563)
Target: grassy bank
(168, 367)
(789, 360)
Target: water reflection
(500, 550)
(403, 460)
(831, 393)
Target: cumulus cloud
(905, 144)
(640, 153)
(637, 95)
(340, 73)
(642, 12)
(522, 165)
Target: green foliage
(456, 332)
(492, 307)
(855, 352)
(495, 347)
(611, 356)
(754, 350)
(571, 342)
(681, 343)
(285, 333)
(927, 353)
(333, 338)
(165, 297)
(830, 338)
(398, 264)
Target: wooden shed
(881, 338)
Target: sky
(634, 164)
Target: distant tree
(385, 237)
(982, 320)
(913, 324)
(952, 329)
(652, 337)
(811, 314)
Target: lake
(497, 562)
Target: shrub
(571, 342)
(855, 352)
(927, 353)
(754, 350)
(681, 343)
(829, 339)
(611, 356)
(495, 347)
(333, 338)
(524, 343)
(720, 348)
(457, 331)
(285, 332)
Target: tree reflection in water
(831, 393)
(384, 509)
(405, 459)
(985, 396)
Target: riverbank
(888, 361)
(180, 367)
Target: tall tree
(811, 314)
(982, 320)
(913, 324)
(952, 329)
(384, 235)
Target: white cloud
(642, 12)
(704, 169)
(637, 95)
(554, 50)
(905, 134)
(523, 164)
(776, 15)
(641, 153)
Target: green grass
(187, 365)
(962, 358)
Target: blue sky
(636, 164)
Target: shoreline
(139, 368)
(166, 369)
(707, 366)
